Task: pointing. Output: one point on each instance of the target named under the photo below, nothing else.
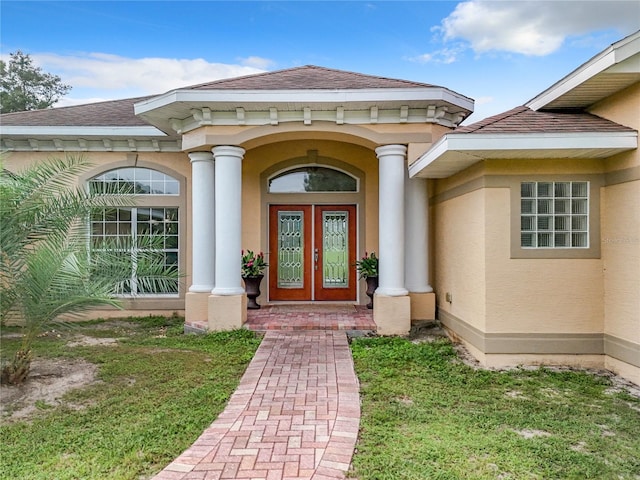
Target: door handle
(315, 257)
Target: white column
(417, 236)
(392, 168)
(202, 218)
(228, 219)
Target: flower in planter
(367, 266)
(252, 264)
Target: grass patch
(157, 390)
(427, 415)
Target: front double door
(312, 251)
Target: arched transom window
(312, 179)
(135, 180)
(151, 225)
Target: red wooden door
(335, 252)
(312, 250)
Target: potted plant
(367, 267)
(252, 273)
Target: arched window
(135, 180)
(312, 179)
(152, 224)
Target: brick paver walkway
(311, 317)
(294, 416)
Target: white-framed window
(151, 226)
(312, 179)
(554, 215)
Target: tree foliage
(48, 269)
(24, 86)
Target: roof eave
(182, 105)
(453, 153)
(598, 65)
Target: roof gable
(610, 71)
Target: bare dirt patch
(47, 383)
(85, 341)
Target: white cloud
(445, 55)
(257, 62)
(534, 27)
(107, 76)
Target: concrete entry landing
(294, 416)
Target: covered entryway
(312, 251)
(330, 147)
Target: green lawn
(426, 415)
(157, 391)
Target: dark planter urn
(372, 284)
(252, 287)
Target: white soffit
(615, 68)
(76, 131)
(455, 152)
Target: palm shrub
(48, 270)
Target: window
(138, 181)
(152, 226)
(312, 179)
(554, 215)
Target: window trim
(300, 167)
(154, 301)
(595, 182)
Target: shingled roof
(308, 77)
(121, 112)
(101, 114)
(524, 120)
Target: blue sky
(499, 53)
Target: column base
(392, 315)
(227, 312)
(196, 307)
(423, 306)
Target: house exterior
(523, 229)
(536, 222)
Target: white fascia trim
(69, 131)
(480, 144)
(616, 53)
(434, 153)
(287, 97)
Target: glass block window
(312, 179)
(134, 181)
(554, 215)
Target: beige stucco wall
(621, 257)
(536, 295)
(621, 229)
(460, 267)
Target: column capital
(201, 156)
(228, 151)
(385, 150)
